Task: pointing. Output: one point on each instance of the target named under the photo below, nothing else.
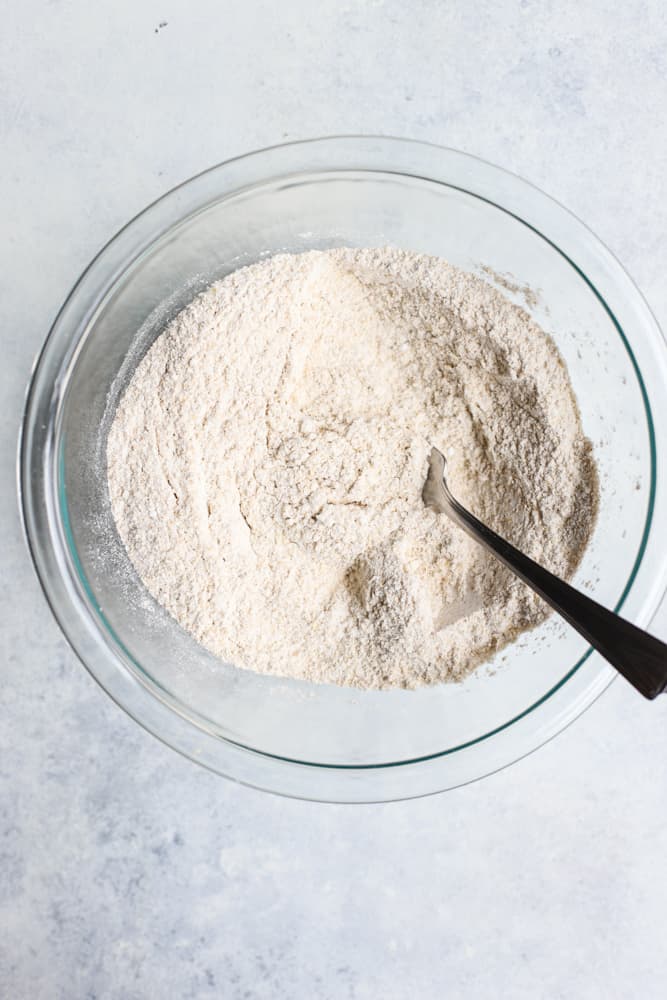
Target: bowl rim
(43, 397)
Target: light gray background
(125, 871)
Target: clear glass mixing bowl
(324, 742)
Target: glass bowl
(324, 742)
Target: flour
(266, 463)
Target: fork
(638, 656)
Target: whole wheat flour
(266, 463)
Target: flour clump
(266, 463)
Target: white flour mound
(267, 459)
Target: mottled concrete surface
(125, 871)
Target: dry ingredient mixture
(266, 464)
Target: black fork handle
(638, 656)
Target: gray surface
(127, 872)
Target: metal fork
(638, 656)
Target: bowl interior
(324, 724)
